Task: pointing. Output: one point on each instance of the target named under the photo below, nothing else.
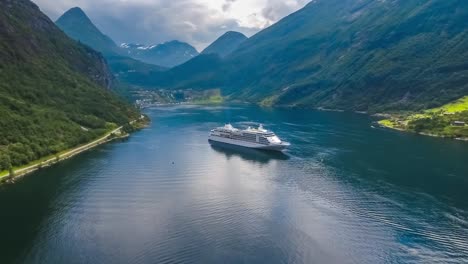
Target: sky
(198, 22)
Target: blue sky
(198, 22)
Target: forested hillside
(450, 120)
(367, 55)
(77, 25)
(53, 91)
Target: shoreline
(66, 154)
(321, 109)
(37, 165)
(421, 133)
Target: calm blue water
(343, 193)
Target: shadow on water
(343, 189)
(27, 203)
(247, 154)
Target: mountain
(131, 72)
(367, 55)
(78, 26)
(53, 90)
(168, 54)
(225, 44)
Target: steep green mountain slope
(199, 72)
(168, 54)
(225, 44)
(367, 55)
(131, 72)
(53, 90)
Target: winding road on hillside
(68, 154)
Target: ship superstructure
(258, 138)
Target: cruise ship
(257, 138)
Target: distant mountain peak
(76, 10)
(226, 44)
(79, 26)
(234, 33)
(174, 42)
(75, 13)
(167, 54)
(347, 54)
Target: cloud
(198, 22)
(227, 5)
(277, 9)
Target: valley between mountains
(391, 57)
(66, 83)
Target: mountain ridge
(127, 70)
(225, 44)
(365, 55)
(168, 54)
(76, 24)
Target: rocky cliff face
(100, 72)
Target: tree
(5, 161)
(11, 173)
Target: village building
(458, 123)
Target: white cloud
(198, 22)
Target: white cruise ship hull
(274, 147)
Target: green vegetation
(210, 100)
(389, 123)
(132, 73)
(456, 107)
(40, 162)
(53, 92)
(147, 98)
(365, 55)
(129, 72)
(208, 97)
(437, 121)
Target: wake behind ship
(257, 138)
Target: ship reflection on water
(248, 154)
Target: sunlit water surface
(344, 193)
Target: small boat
(256, 138)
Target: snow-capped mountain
(168, 54)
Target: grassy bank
(49, 160)
(445, 121)
(212, 100)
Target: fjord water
(343, 193)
